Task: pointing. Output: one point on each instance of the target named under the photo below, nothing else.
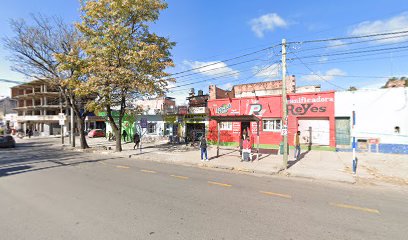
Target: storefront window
(151, 128)
(226, 126)
(271, 124)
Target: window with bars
(151, 128)
(226, 126)
(271, 125)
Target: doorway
(245, 126)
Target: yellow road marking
(219, 184)
(370, 210)
(119, 166)
(147, 171)
(179, 177)
(276, 194)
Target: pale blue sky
(208, 31)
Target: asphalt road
(47, 193)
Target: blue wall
(383, 148)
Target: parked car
(96, 133)
(7, 141)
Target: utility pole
(72, 127)
(284, 107)
(62, 126)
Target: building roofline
(288, 94)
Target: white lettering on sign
(310, 100)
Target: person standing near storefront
(297, 145)
(124, 134)
(203, 147)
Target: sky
(212, 36)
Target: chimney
(200, 92)
(191, 93)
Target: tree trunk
(119, 136)
(82, 138)
(116, 129)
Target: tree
(124, 60)
(352, 88)
(34, 50)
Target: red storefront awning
(237, 118)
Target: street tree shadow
(224, 154)
(301, 156)
(12, 170)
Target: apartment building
(38, 106)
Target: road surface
(47, 193)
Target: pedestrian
(203, 147)
(30, 133)
(109, 136)
(124, 134)
(27, 131)
(297, 145)
(246, 150)
(136, 140)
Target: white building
(381, 115)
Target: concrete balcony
(37, 118)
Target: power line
(11, 81)
(357, 42)
(346, 38)
(251, 76)
(225, 60)
(347, 53)
(219, 68)
(318, 74)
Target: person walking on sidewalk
(124, 134)
(136, 140)
(203, 147)
(297, 145)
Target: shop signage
(143, 122)
(170, 119)
(284, 131)
(224, 108)
(304, 108)
(254, 127)
(236, 127)
(255, 109)
(196, 110)
(61, 118)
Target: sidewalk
(373, 168)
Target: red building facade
(310, 113)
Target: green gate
(342, 131)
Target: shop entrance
(245, 126)
(195, 131)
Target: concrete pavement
(53, 194)
(373, 168)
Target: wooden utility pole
(284, 107)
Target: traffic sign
(143, 122)
(61, 118)
(284, 131)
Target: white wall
(378, 112)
